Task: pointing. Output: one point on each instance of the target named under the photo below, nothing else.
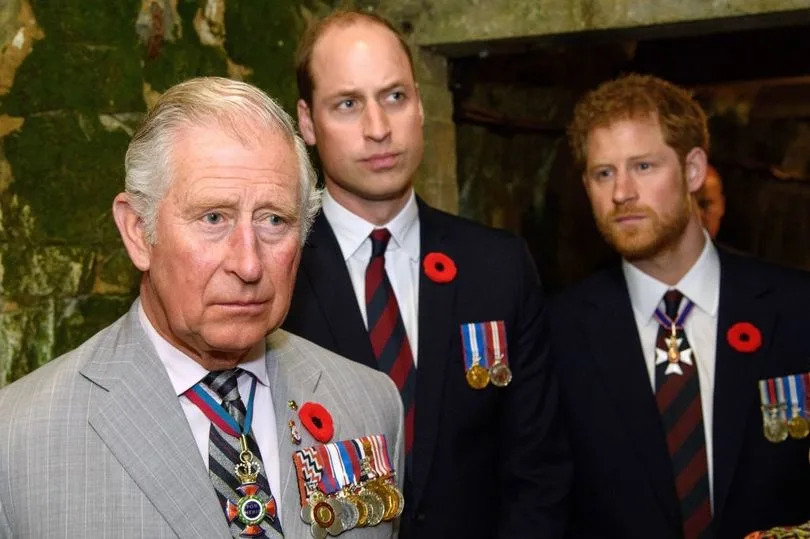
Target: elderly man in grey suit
(107, 440)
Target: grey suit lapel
(291, 379)
(139, 418)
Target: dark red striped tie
(678, 397)
(387, 331)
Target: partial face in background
(366, 115)
(220, 275)
(637, 187)
(711, 202)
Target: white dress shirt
(184, 373)
(701, 285)
(401, 258)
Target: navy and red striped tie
(678, 398)
(386, 330)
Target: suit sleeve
(536, 471)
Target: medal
(673, 356)
(499, 372)
(773, 426)
(798, 427)
(253, 505)
(295, 436)
(346, 484)
(774, 422)
(477, 377)
(472, 340)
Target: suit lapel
(735, 391)
(326, 271)
(615, 344)
(291, 378)
(436, 328)
(141, 421)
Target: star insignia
(661, 356)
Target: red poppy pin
(439, 267)
(317, 420)
(744, 337)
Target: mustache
(626, 211)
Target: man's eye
(213, 218)
(347, 104)
(275, 220)
(397, 95)
(644, 166)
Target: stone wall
(77, 76)
(75, 79)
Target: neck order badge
(252, 508)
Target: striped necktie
(387, 331)
(223, 456)
(678, 398)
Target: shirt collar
(351, 230)
(701, 284)
(184, 372)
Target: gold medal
(798, 427)
(500, 374)
(477, 377)
(362, 509)
(376, 504)
(396, 502)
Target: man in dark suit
(660, 360)
(390, 282)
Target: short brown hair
(682, 120)
(344, 18)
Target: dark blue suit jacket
(623, 484)
(485, 463)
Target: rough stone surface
(77, 76)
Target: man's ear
(131, 227)
(695, 169)
(305, 122)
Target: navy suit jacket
(485, 463)
(623, 485)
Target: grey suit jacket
(95, 443)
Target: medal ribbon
(351, 463)
(215, 412)
(329, 483)
(472, 339)
(497, 342)
(795, 391)
(772, 396)
(667, 322)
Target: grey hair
(199, 102)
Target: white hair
(199, 102)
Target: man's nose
(245, 259)
(624, 187)
(376, 124)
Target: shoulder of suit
(591, 286)
(484, 236)
(58, 377)
(328, 361)
(755, 269)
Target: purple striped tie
(678, 398)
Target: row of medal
(347, 484)
(485, 357)
(785, 407)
